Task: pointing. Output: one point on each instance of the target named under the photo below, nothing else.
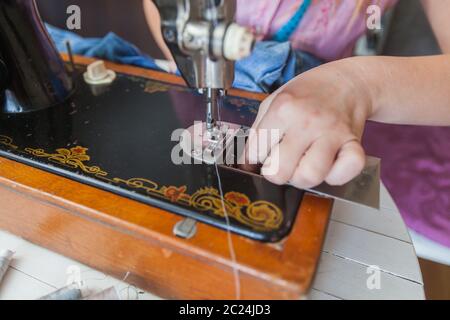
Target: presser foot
(222, 144)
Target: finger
(260, 144)
(284, 158)
(316, 164)
(350, 162)
(265, 106)
(173, 67)
(270, 129)
(253, 137)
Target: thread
(130, 288)
(5, 260)
(237, 280)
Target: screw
(169, 35)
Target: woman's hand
(320, 116)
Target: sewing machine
(205, 43)
(86, 163)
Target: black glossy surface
(36, 78)
(127, 129)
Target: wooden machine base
(118, 235)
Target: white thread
(219, 105)
(237, 280)
(129, 288)
(126, 276)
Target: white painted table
(357, 239)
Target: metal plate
(363, 190)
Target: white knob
(97, 73)
(238, 42)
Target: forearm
(403, 90)
(154, 21)
(437, 12)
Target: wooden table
(357, 238)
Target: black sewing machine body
(122, 138)
(118, 138)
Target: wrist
(358, 75)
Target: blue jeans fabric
(271, 64)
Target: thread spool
(5, 261)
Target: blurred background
(125, 18)
(408, 34)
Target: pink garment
(415, 168)
(329, 28)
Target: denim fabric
(271, 64)
(111, 47)
(305, 62)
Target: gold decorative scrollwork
(154, 86)
(7, 141)
(259, 215)
(137, 183)
(240, 103)
(73, 157)
(265, 215)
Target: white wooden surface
(357, 238)
(429, 249)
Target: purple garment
(416, 171)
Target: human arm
(322, 113)
(154, 22)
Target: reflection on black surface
(36, 73)
(127, 132)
